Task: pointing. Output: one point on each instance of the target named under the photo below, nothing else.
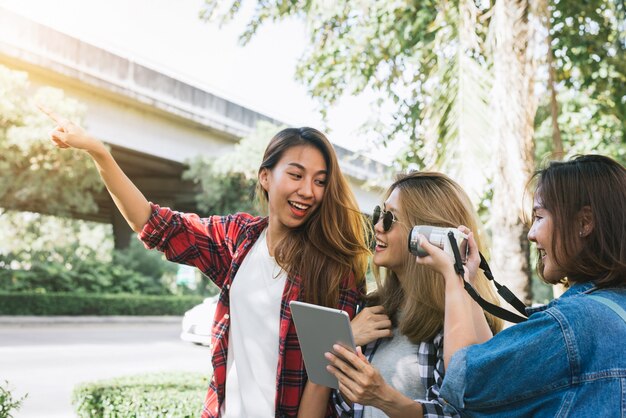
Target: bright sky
(168, 34)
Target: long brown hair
(331, 245)
(427, 198)
(598, 183)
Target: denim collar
(574, 290)
(579, 288)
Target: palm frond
(456, 116)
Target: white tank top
(251, 368)
(396, 360)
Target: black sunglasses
(388, 218)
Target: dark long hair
(331, 246)
(598, 183)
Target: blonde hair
(332, 244)
(427, 198)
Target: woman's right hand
(438, 260)
(473, 260)
(371, 324)
(127, 197)
(67, 134)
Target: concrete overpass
(153, 121)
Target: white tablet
(318, 328)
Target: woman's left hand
(473, 258)
(358, 380)
(440, 261)
(371, 324)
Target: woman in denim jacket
(569, 357)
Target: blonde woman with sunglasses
(399, 367)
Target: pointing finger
(59, 139)
(53, 115)
(59, 143)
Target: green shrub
(171, 395)
(135, 270)
(30, 303)
(7, 402)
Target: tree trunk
(514, 110)
(557, 141)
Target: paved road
(46, 360)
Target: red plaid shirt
(217, 245)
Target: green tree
(54, 254)
(8, 403)
(583, 125)
(439, 62)
(58, 238)
(33, 175)
(461, 76)
(587, 42)
(589, 45)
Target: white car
(198, 322)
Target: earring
(580, 234)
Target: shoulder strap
(502, 290)
(611, 305)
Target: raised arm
(129, 200)
(464, 321)
(481, 326)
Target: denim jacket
(567, 360)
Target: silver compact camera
(439, 237)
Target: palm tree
(514, 109)
(467, 110)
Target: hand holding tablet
(318, 329)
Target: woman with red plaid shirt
(312, 246)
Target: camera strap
(503, 291)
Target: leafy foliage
(63, 255)
(55, 237)
(8, 403)
(35, 175)
(30, 303)
(430, 62)
(87, 275)
(423, 59)
(174, 395)
(589, 44)
(584, 127)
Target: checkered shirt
(217, 245)
(431, 369)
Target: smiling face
(542, 234)
(295, 188)
(391, 246)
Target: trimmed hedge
(28, 303)
(172, 395)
